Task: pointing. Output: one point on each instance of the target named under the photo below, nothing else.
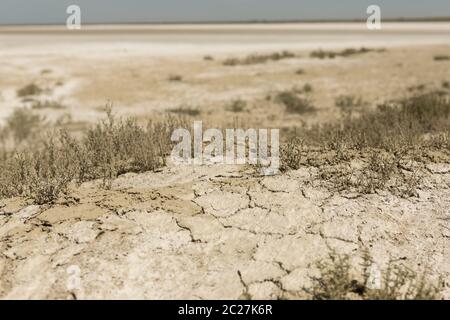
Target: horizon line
(256, 21)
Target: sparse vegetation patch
(47, 104)
(294, 103)
(186, 110)
(441, 57)
(114, 146)
(385, 148)
(175, 78)
(259, 58)
(338, 281)
(323, 54)
(237, 106)
(21, 124)
(29, 90)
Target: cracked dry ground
(213, 232)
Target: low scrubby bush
(110, 148)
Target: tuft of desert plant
(419, 87)
(237, 105)
(186, 110)
(22, 123)
(381, 149)
(300, 71)
(29, 90)
(397, 282)
(110, 148)
(175, 78)
(349, 103)
(294, 103)
(307, 88)
(392, 125)
(39, 173)
(377, 173)
(47, 104)
(322, 54)
(441, 57)
(446, 84)
(208, 58)
(291, 154)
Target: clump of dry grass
(294, 103)
(29, 90)
(259, 58)
(397, 282)
(112, 147)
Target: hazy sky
(54, 11)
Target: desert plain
(220, 231)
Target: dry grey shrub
(336, 281)
(322, 54)
(29, 90)
(22, 124)
(259, 58)
(110, 148)
(413, 129)
(237, 106)
(294, 103)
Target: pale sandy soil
(216, 232)
(213, 231)
(131, 66)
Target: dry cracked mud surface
(212, 232)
